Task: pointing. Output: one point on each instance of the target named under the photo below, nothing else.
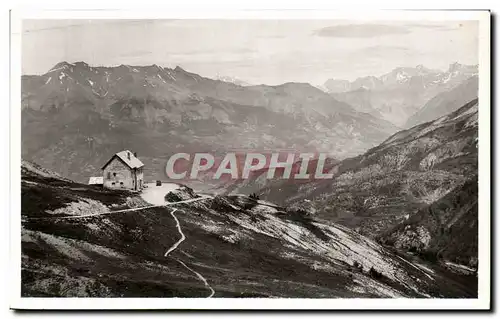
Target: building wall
(118, 175)
(140, 178)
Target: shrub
(357, 266)
(304, 209)
(254, 196)
(304, 216)
(375, 274)
(172, 197)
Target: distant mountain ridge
(401, 93)
(400, 75)
(446, 102)
(231, 79)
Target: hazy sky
(256, 51)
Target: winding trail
(174, 247)
(178, 225)
(212, 292)
(180, 232)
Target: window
(114, 174)
(109, 175)
(121, 184)
(113, 183)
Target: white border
(206, 12)
(484, 145)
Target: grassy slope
(243, 249)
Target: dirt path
(212, 292)
(155, 195)
(124, 210)
(178, 225)
(174, 247)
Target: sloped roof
(133, 162)
(128, 158)
(96, 180)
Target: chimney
(135, 154)
(128, 155)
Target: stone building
(124, 171)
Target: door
(135, 179)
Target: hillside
(414, 168)
(452, 220)
(84, 241)
(446, 102)
(76, 115)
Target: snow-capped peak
(230, 79)
(402, 76)
(61, 66)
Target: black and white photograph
(277, 157)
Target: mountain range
(399, 94)
(75, 116)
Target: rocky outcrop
(180, 194)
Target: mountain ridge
(400, 94)
(81, 112)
